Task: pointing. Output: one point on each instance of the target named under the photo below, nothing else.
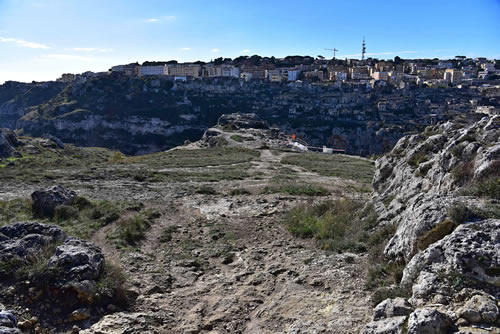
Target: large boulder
(78, 260)
(392, 307)
(394, 325)
(480, 308)
(21, 240)
(429, 321)
(45, 201)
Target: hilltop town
(362, 107)
(399, 73)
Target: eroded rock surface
(438, 189)
(45, 201)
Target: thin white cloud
(168, 18)
(244, 51)
(186, 49)
(91, 50)
(215, 50)
(23, 43)
(386, 53)
(66, 57)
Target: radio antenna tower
(363, 50)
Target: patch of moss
(437, 233)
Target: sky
(41, 39)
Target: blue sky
(40, 39)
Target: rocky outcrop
(441, 190)
(429, 321)
(419, 180)
(78, 260)
(468, 257)
(390, 317)
(242, 121)
(8, 143)
(52, 270)
(139, 115)
(16, 98)
(45, 201)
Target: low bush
(339, 225)
(459, 213)
(132, 229)
(112, 286)
(463, 172)
(167, 234)
(239, 191)
(206, 190)
(418, 158)
(65, 212)
(488, 188)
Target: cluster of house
(400, 74)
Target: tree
(397, 60)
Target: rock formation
(8, 143)
(45, 201)
(441, 190)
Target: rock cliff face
(8, 143)
(16, 98)
(138, 115)
(441, 190)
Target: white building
(154, 70)
(490, 67)
(246, 76)
(293, 75)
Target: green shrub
(81, 203)
(130, 230)
(337, 225)
(384, 273)
(167, 234)
(206, 190)
(15, 210)
(488, 188)
(418, 158)
(237, 138)
(65, 212)
(463, 172)
(133, 229)
(459, 213)
(112, 284)
(239, 191)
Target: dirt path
(231, 267)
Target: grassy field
(218, 156)
(42, 163)
(341, 166)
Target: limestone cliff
(441, 190)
